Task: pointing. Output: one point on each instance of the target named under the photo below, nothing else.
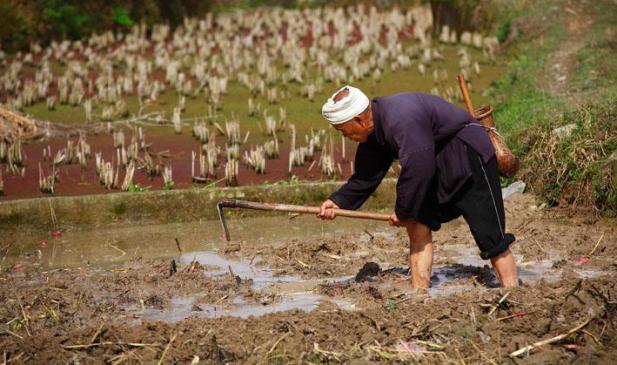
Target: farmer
(448, 169)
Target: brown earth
(92, 314)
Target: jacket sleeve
(371, 165)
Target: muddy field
(255, 115)
(168, 150)
(331, 292)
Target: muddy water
(466, 266)
(185, 307)
(295, 293)
(203, 242)
(289, 292)
(108, 246)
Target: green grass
(596, 72)
(521, 101)
(579, 170)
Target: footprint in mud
(461, 273)
(444, 280)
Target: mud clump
(156, 301)
(313, 258)
(368, 272)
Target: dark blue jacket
(428, 136)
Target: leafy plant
(121, 17)
(15, 32)
(64, 20)
(293, 180)
(503, 31)
(136, 188)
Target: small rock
(515, 187)
(564, 131)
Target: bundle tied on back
(507, 163)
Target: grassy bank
(160, 207)
(562, 75)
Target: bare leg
(420, 254)
(505, 267)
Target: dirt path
(142, 311)
(562, 62)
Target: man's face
(357, 129)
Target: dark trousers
(480, 203)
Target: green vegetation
(520, 100)
(293, 180)
(579, 169)
(15, 33)
(136, 188)
(563, 74)
(121, 17)
(63, 20)
(42, 21)
(181, 205)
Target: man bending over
(448, 169)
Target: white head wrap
(338, 112)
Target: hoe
(302, 209)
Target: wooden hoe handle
(233, 203)
(302, 209)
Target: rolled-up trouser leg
(482, 207)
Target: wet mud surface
(314, 295)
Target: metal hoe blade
(219, 210)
